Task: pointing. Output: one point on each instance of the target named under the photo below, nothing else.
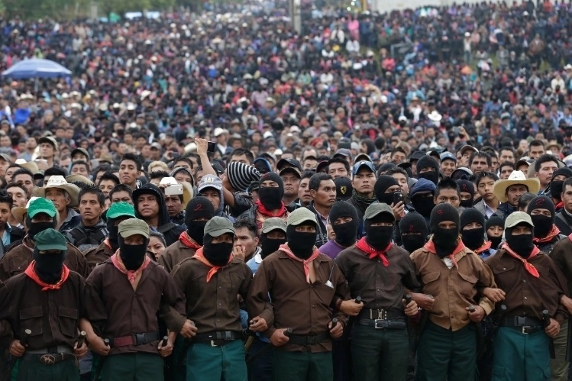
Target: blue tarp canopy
(36, 68)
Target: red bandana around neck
(484, 247)
(188, 241)
(374, 253)
(213, 269)
(430, 246)
(549, 237)
(306, 262)
(265, 212)
(528, 266)
(131, 274)
(45, 286)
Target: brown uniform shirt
(525, 294)
(281, 294)
(213, 305)
(52, 315)
(562, 256)
(175, 254)
(454, 289)
(17, 260)
(98, 255)
(135, 311)
(378, 286)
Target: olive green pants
(132, 367)
(302, 366)
(34, 370)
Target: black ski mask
(36, 227)
(413, 231)
(472, 238)
(428, 162)
(346, 233)
(198, 208)
(269, 245)
(445, 240)
(423, 204)
(132, 256)
(521, 244)
(217, 253)
(271, 197)
(49, 266)
(301, 243)
(381, 185)
(113, 234)
(491, 222)
(542, 224)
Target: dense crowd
(217, 197)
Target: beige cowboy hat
(81, 179)
(59, 182)
(187, 188)
(515, 178)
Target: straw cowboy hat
(187, 188)
(515, 178)
(59, 182)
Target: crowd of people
(217, 197)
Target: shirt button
(504, 268)
(524, 281)
(525, 298)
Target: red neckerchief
(45, 286)
(306, 262)
(430, 246)
(188, 241)
(214, 269)
(560, 205)
(131, 274)
(484, 247)
(528, 266)
(265, 212)
(107, 243)
(553, 233)
(374, 253)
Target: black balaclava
(132, 255)
(428, 162)
(445, 240)
(381, 185)
(269, 245)
(301, 243)
(113, 233)
(271, 197)
(49, 266)
(379, 237)
(542, 224)
(468, 187)
(414, 231)
(36, 227)
(198, 207)
(521, 244)
(346, 234)
(423, 204)
(494, 221)
(473, 238)
(557, 186)
(216, 253)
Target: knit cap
(443, 212)
(240, 175)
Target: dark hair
(307, 174)
(544, 159)
(342, 161)
(109, 176)
(507, 163)
(80, 162)
(246, 223)
(316, 179)
(567, 182)
(16, 185)
(240, 152)
(525, 199)
(101, 168)
(132, 157)
(447, 183)
(23, 171)
(5, 198)
(536, 143)
(482, 175)
(185, 159)
(490, 150)
(121, 188)
(481, 154)
(397, 170)
(55, 171)
(158, 175)
(506, 148)
(92, 190)
(153, 233)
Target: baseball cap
(516, 218)
(345, 153)
(301, 215)
(218, 226)
(210, 181)
(120, 209)
(288, 163)
(344, 188)
(362, 156)
(293, 170)
(49, 140)
(448, 156)
(363, 163)
(41, 205)
(50, 239)
(415, 156)
(467, 148)
(83, 151)
(156, 146)
(5, 157)
(273, 223)
(376, 209)
(133, 226)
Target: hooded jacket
(170, 230)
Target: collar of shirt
(71, 214)
(488, 210)
(6, 235)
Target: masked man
(300, 279)
(542, 214)
(345, 223)
(414, 232)
(379, 353)
(273, 235)
(473, 233)
(211, 281)
(199, 211)
(532, 283)
(269, 203)
(48, 292)
(451, 276)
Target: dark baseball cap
(363, 164)
(288, 163)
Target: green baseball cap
(301, 215)
(119, 209)
(273, 223)
(218, 226)
(133, 226)
(376, 209)
(41, 205)
(50, 239)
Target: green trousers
(559, 366)
(206, 363)
(446, 355)
(302, 366)
(521, 357)
(33, 370)
(133, 367)
(379, 353)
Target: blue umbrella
(36, 68)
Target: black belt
(381, 314)
(136, 339)
(49, 358)
(56, 349)
(217, 338)
(305, 340)
(383, 324)
(524, 324)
